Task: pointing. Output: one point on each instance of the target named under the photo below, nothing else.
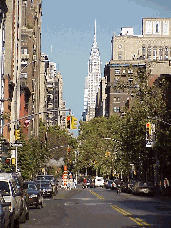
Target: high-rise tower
(92, 81)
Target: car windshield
(4, 187)
(45, 186)
(42, 182)
(99, 179)
(32, 186)
(45, 178)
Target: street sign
(16, 144)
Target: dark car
(54, 182)
(4, 213)
(143, 188)
(45, 187)
(34, 193)
(25, 198)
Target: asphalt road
(100, 207)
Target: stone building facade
(30, 65)
(151, 51)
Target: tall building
(55, 97)
(30, 65)
(92, 81)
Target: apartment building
(150, 51)
(30, 66)
(3, 13)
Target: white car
(10, 193)
(99, 182)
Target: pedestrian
(84, 183)
(166, 185)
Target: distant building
(92, 81)
(55, 97)
(43, 87)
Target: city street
(100, 207)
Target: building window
(154, 53)
(149, 52)
(116, 109)
(23, 75)
(116, 99)
(166, 53)
(143, 51)
(119, 56)
(130, 71)
(117, 71)
(116, 79)
(160, 53)
(24, 51)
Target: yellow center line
(135, 220)
(97, 195)
(138, 221)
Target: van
(99, 182)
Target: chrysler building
(92, 81)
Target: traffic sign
(16, 144)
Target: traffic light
(68, 121)
(13, 161)
(8, 161)
(73, 122)
(148, 130)
(17, 134)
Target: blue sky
(69, 27)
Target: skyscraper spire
(95, 31)
(92, 81)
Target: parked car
(24, 196)
(4, 213)
(34, 193)
(130, 186)
(108, 184)
(143, 188)
(99, 182)
(114, 184)
(12, 195)
(45, 187)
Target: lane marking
(97, 195)
(138, 221)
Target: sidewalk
(162, 194)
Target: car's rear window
(4, 187)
